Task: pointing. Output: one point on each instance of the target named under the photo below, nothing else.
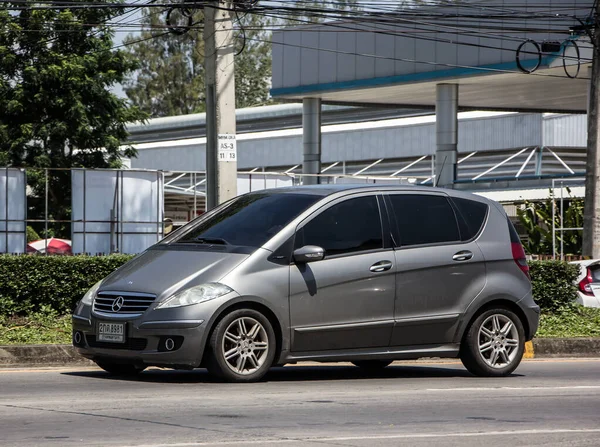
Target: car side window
(347, 227)
(473, 216)
(424, 219)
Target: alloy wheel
(245, 345)
(498, 341)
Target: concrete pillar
(221, 145)
(446, 115)
(311, 131)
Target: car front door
(345, 300)
(440, 268)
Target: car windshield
(249, 220)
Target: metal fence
(13, 210)
(128, 210)
(116, 210)
(558, 210)
(100, 211)
(122, 211)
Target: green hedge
(553, 284)
(30, 283)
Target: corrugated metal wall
(345, 51)
(355, 142)
(497, 133)
(565, 131)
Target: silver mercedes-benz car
(367, 274)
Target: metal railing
(563, 184)
(116, 226)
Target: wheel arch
(497, 302)
(246, 303)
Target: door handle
(381, 266)
(462, 256)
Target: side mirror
(308, 253)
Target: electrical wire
(416, 61)
(449, 39)
(419, 28)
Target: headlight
(195, 295)
(89, 296)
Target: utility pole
(591, 216)
(221, 146)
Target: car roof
(329, 189)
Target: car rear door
(439, 267)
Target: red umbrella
(54, 246)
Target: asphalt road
(546, 403)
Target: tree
(170, 80)
(536, 218)
(170, 77)
(56, 109)
(253, 61)
(32, 235)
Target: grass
(47, 327)
(575, 321)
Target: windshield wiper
(205, 241)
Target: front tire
(120, 369)
(242, 347)
(494, 343)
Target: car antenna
(437, 179)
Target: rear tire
(372, 365)
(242, 347)
(120, 369)
(494, 343)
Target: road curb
(566, 347)
(57, 355)
(40, 355)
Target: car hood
(163, 272)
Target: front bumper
(145, 341)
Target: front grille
(131, 344)
(132, 303)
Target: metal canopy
(397, 61)
(511, 92)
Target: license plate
(111, 332)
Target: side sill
(392, 353)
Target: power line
(422, 28)
(398, 59)
(338, 25)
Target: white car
(588, 283)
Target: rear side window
(424, 219)
(514, 236)
(472, 217)
(595, 271)
(350, 226)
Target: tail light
(519, 256)
(518, 253)
(585, 285)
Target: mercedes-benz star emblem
(118, 304)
